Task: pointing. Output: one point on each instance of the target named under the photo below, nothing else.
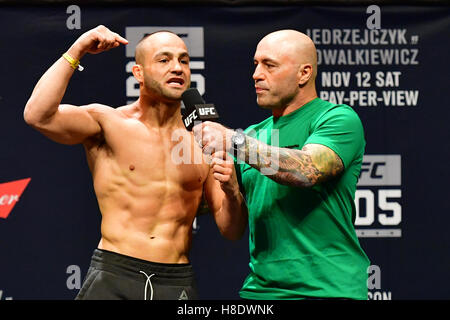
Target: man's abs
(150, 221)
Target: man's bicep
(72, 124)
(341, 130)
(326, 162)
(311, 165)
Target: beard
(156, 88)
(275, 100)
(270, 102)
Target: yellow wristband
(74, 63)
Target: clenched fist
(223, 171)
(95, 41)
(212, 137)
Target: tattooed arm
(304, 168)
(313, 164)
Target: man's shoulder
(326, 106)
(329, 109)
(103, 110)
(107, 116)
(96, 108)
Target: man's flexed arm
(66, 123)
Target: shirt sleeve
(341, 130)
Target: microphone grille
(191, 97)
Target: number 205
(384, 203)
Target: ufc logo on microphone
(206, 111)
(190, 118)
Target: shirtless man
(148, 202)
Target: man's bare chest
(145, 154)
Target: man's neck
(158, 114)
(295, 104)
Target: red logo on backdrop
(10, 193)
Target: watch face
(238, 138)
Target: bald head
(292, 45)
(154, 40)
(285, 71)
(162, 66)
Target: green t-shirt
(302, 241)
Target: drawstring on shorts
(148, 281)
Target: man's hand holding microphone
(212, 137)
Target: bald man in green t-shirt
(299, 170)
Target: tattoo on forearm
(301, 168)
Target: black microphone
(196, 109)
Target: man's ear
(305, 72)
(138, 73)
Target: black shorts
(113, 276)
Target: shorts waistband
(113, 261)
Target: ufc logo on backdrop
(378, 199)
(10, 193)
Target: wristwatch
(237, 140)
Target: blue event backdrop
(395, 78)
